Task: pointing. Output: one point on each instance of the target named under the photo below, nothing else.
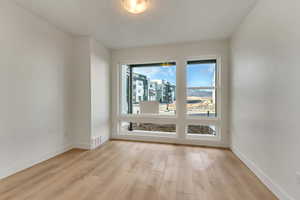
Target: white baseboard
(17, 167)
(275, 188)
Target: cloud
(158, 73)
(149, 71)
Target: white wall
(91, 93)
(100, 91)
(178, 53)
(34, 65)
(265, 94)
(54, 90)
(81, 94)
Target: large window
(201, 88)
(150, 106)
(149, 88)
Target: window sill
(203, 137)
(149, 134)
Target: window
(149, 88)
(147, 128)
(148, 97)
(201, 88)
(207, 130)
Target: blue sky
(158, 73)
(198, 75)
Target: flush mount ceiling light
(135, 6)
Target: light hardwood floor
(123, 170)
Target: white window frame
(217, 87)
(201, 120)
(190, 136)
(147, 133)
(120, 86)
(180, 118)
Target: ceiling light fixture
(135, 6)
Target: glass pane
(148, 127)
(201, 102)
(201, 73)
(149, 89)
(201, 130)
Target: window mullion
(181, 99)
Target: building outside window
(151, 82)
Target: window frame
(204, 120)
(180, 118)
(119, 110)
(190, 136)
(217, 88)
(147, 133)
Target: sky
(198, 75)
(158, 73)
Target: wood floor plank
(123, 170)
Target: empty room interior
(149, 100)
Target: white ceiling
(166, 21)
